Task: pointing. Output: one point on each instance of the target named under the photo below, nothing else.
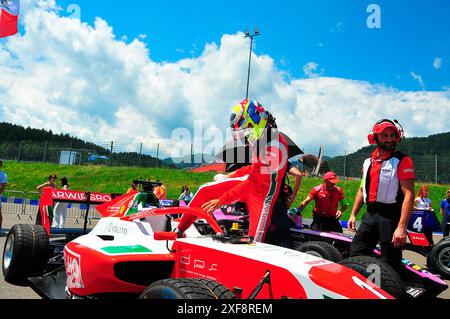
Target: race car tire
(25, 252)
(390, 280)
(321, 249)
(182, 288)
(41, 250)
(219, 290)
(439, 258)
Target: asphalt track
(8, 291)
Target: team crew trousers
(445, 225)
(326, 224)
(378, 226)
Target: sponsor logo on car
(72, 262)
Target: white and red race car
(135, 253)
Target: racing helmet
(381, 125)
(249, 118)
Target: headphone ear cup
(371, 138)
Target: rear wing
(51, 196)
(126, 204)
(423, 221)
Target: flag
(9, 17)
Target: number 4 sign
(418, 224)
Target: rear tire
(321, 249)
(390, 280)
(177, 289)
(25, 253)
(439, 257)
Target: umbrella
(293, 149)
(237, 155)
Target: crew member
(387, 188)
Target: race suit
(257, 185)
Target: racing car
(136, 253)
(420, 229)
(417, 281)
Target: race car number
(418, 224)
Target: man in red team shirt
(387, 188)
(326, 197)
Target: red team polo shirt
(326, 202)
(405, 172)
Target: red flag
(9, 17)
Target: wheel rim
(8, 253)
(444, 258)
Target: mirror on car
(165, 236)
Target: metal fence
(103, 153)
(428, 168)
(24, 206)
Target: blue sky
(317, 67)
(333, 34)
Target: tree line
(40, 145)
(430, 155)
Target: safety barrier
(25, 205)
(31, 205)
(13, 203)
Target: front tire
(182, 288)
(439, 257)
(219, 290)
(389, 280)
(25, 252)
(322, 250)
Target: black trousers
(326, 224)
(377, 227)
(445, 226)
(278, 232)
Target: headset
(396, 125)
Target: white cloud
(418, 78)
(75, 78)
(310, 69)
(437, 63)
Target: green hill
(430, 155)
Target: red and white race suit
(257, 185)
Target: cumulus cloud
(437, 63)
(310, 69)
(71, 77)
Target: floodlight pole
(251, 36)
